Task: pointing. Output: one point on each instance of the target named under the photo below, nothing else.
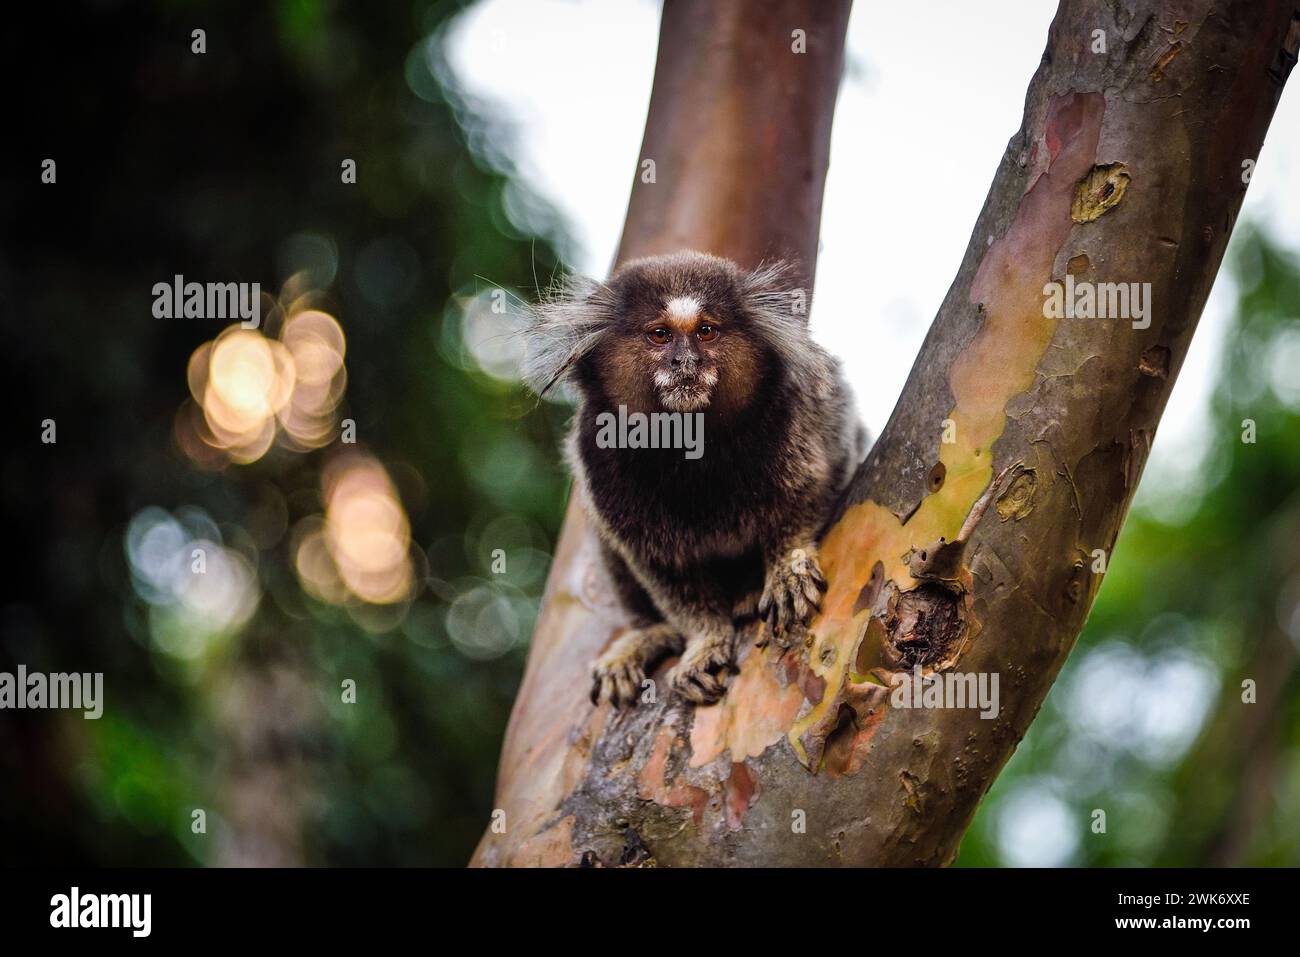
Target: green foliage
(226, 166)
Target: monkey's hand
(792, 594)
(701, 674)
(618, 674)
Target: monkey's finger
(717, 657)
(619, 694)
(798, 605)
(778, 630)
(793, 636)
(813, 593)
(709, 684)
(689, 690)
(635, 680)
(789, 606)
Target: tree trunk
(968, 540)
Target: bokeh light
(362, 546)
(1035, 827)
(491, 329)
(197, 588)
(248, 388)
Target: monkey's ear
(777, 307)
(774, 299)
(562, 328)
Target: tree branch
(1127, 169)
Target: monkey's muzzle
(683, 391)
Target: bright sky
(573, 78)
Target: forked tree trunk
(1020, 435)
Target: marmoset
(698, 544)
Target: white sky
(573, 77)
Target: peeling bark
(1127, 169)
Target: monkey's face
(684, 354)
(682, 346)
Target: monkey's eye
(660, 336)
(707, 333)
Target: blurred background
(308, 557)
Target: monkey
(699, 546)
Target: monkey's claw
(791, 596)
(701, 675)
(618, 676)
(616, 679)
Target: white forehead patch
(683, 307)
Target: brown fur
(689, 542)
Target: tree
(974, 538)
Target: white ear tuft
(773, 300)
(562, 328)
